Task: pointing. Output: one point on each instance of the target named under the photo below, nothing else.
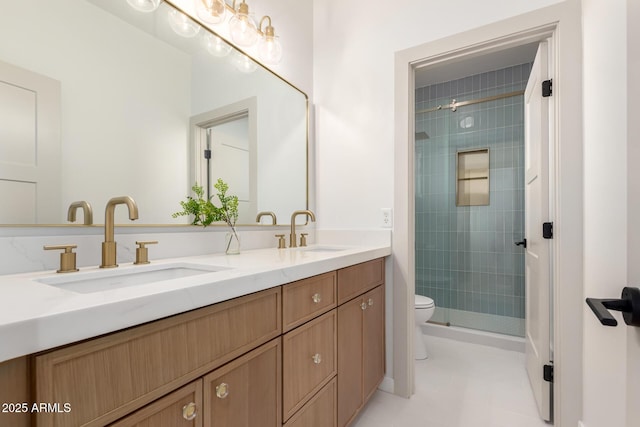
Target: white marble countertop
(35, 316)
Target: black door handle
(522, 243)
(629, 305)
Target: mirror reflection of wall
(127, 99)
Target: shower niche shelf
(472, 177)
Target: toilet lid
(423, 302)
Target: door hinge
(207, 154)
(547, 230)
(547, 89)
(547, 373)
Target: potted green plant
(205, 213)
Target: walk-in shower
(469, 199)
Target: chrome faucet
(292, 236)
(109, 244)
(86, 209)
(269, 213)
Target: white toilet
(424, 309)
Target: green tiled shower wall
(466, 258)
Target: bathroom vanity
(290, 337)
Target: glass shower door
(466, 259)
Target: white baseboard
(387, 385)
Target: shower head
(420, 136)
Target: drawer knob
(363, 306)
(316, 298)
(189, 411)
(222, 390)
(317, 358)
(370, 302)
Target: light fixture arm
(243, 8)
(269, 31)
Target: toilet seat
(423, 302)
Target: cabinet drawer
(108, 377)
(246, 392)
(309, 360)
(357, 279)
(308, 298)
(320, 411)
(182, 408)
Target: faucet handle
(282, 244)
(303, 239)
(142, 252)
(67, 258)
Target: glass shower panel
(466, 259)
(432, 203)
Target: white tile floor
(460, 385)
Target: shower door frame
(561, 25)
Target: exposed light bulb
(211, 11)
(145, 6)
(270, 50)
(242, 27)
(245, 64)
(216, 46)
(269, 47)
(182, 24)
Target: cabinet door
(373, 341)
(182, 408)
(246, 392)
(350, 349)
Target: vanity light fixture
(145, 6)
(182, 24)
(215, 45)
(269, 47)
(211, 11)
(242, 26)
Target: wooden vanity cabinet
(360, 342)
(309, 348)
(106, 378)
(306, 354)
(358, 319)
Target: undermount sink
(105, 280)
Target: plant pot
(232, 243)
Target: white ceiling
(453, 70)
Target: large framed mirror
(99, 100)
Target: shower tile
(500, 308)
(468, 84)
(471, 250)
